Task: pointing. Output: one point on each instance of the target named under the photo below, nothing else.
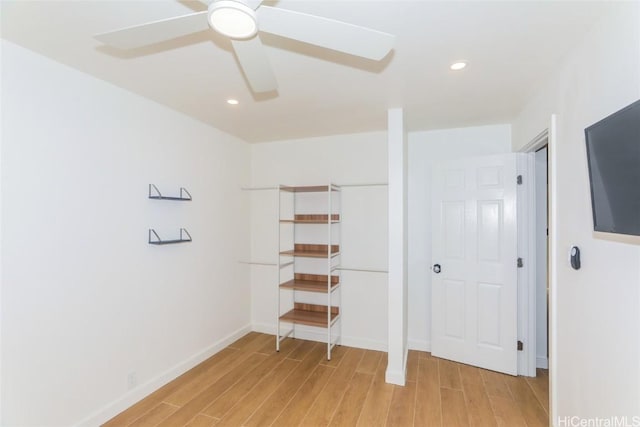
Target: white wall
(597, 328)
(426, 149)
(86, 300)
(342, 159)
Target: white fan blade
(255, 64)
(156, 31)
(325, 32)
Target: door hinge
(520, 263)
(520, 346)
(519, 179)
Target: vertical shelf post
(329, 259)
(293, 244)
(339, 225)
(279, 270)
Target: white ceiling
(510, 46)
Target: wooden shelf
(309, 188)
(312, 251)
(312, 219)
(310, 314)
(310, 283)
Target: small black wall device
(574, 256)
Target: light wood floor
(249, 384)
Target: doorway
(457, 321)
(538, 283)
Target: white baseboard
(263, 328)
(542, 362)
(420, 345)
(398, 377)
(313, 335)
(395, 377)
(114, 408)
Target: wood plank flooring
(250, 384)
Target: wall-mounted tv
(613, 153)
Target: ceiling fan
(241, 20)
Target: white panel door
(474, 268)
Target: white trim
(397, 377)
(527, 360)
(553, 267)
(530, 351)
(536, 143)
(542, 362)
(420, 345)
(526, 274)
(263, 328)
(114, 408)
(306, 333)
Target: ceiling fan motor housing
(233, 19)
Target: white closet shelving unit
(309, 260)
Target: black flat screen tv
(613, 153)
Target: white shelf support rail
(372, 184)
(258, 188)
(285, 336)
(293, 245)
(279, 272)
(272, 264)
(339, 225)
(340, 186)
(329, 261)
(366, 270)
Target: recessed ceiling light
(232, 101)
(456, 66)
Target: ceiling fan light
(233, 19)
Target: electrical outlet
(132, 380)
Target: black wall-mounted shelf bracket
(154, 193)
(154, 239)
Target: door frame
(527, 247)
